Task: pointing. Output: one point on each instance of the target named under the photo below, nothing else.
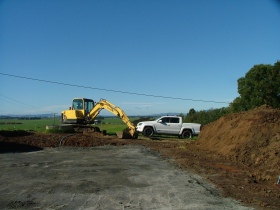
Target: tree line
(259, 86)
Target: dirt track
(239, 153)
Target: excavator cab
(83, 104)
(77, 113)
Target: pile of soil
(250, 138)
(239, 152)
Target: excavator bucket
(126, 135)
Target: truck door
(163, 126)
(174, 125)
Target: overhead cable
(115, 91)
(18, 102)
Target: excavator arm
(104, 104)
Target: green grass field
(111, 125)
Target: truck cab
(169, 125)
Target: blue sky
(186, 49)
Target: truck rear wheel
(187, 134)
(148, 131)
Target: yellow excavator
(84, 111)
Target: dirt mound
(250, 138)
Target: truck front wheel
(148, 131)
(187, 134)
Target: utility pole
(54, 118)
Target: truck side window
(174, 120)
(165, 119)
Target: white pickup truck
(169, 125)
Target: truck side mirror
(160, 121)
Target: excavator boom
(104, 104)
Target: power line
(115, 91)
(18, 102)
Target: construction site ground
(235, 157)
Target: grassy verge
(111, 125)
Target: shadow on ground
(12, 147)
(15, 133)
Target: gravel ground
(107, 177)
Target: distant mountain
(11, 116)
(169, 113)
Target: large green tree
(205, 116)
(261, 85)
